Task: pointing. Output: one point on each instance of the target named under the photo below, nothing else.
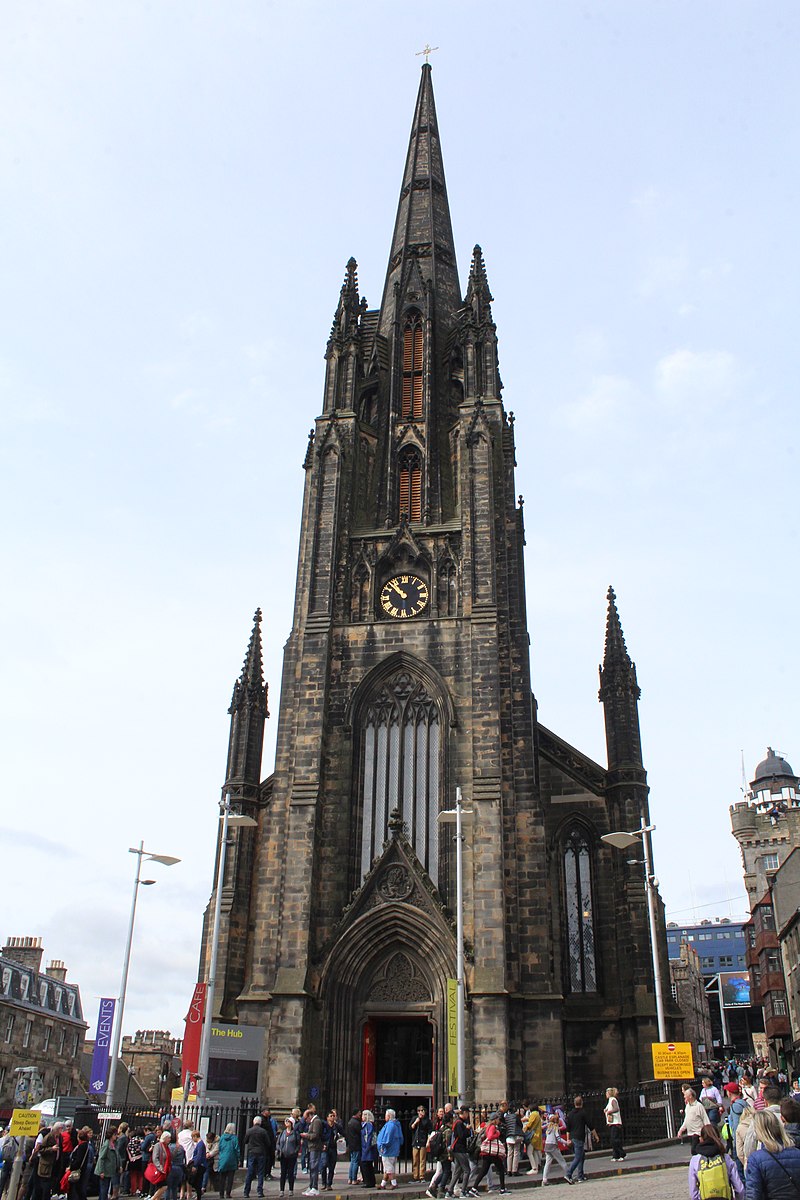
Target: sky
(183, 184)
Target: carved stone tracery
(399, 983)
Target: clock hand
(398, 589)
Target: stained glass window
(580, 918)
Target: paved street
(661, 1172)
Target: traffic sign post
(672, 1060)
(25, 1122)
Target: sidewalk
(654, 1156)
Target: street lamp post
(623, 840)
(168, 861)
(228, 819)
(458, 815)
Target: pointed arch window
(410, 485)
(580, 914)
(413, 341)
(400, 768)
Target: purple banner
(100, 1059)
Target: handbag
(786, 1173)
(153, 1175)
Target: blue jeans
(355, 1159)
(313, 1169)
(255, 1167)
(576, 1165)
(105, 1187)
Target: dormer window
(411, 402)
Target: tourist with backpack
(712, 1172)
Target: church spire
(619, 694)
(341, 355)
(479, 335)
(422, 244)
(249, 689)
(248, 712)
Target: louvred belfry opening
(411, 407)
(410, 489)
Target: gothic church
(407, 674)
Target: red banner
(194, 1032)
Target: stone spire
(250, 689)
(248, 712)
(423, 249)
(478, 335)
(619, 694)
(341, 354)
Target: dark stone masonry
(407, 673)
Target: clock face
(404, 596)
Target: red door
(368, 1070)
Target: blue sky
(183, 184)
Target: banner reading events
(672, 1060)
(98, 1078)
(452, 1037)
(193, 1034)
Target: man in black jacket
(462, 1167)
(578, 1128)
(256, 1144)
(352, 1135)
(421, 1126)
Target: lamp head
(242, 820)
(621, 840)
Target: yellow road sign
(25, 1122)
(672, 1060)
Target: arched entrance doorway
(383, 994)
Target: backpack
(712, 1178)
(436, 1144)
(474, 1143)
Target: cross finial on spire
(427, 50)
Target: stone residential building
(41, 1021)
(786, 901)
(407, 674)
(766, 824)
(689, 993)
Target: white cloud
(697, 378)
(663, 272)
(647, 198)
(605, 399)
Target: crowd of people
(742, 1120)
(745, 1134)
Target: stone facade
(153, 1055)
(766, 824)
(41, 1021)
(406, 674)
(689, 993)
